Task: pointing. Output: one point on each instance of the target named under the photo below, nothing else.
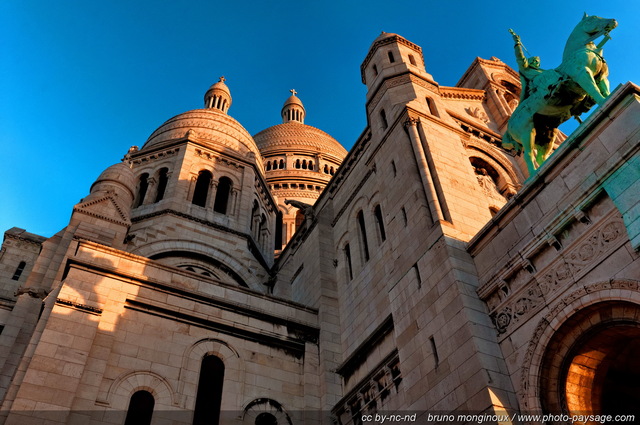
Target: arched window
(347, 258)
(254, 213)
(362, 230)
(143, 185)
(282, 164)
(163, 179)
(326, 169)
(140, 408)
(432, 107)
(222, 195)
(304, 164)
(202, 188)
(209, 395)
(331, 171)
(378, 213)
(383, 117)
(19, 270)
(268, 165)
(391, 58)
(310, 165)
(298, 163)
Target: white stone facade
(427, 278)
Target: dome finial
(293, 110)
(218, 96)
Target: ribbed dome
(218, 96)
(210, 126)
(119, 173)
(293, 99)
(293, 136)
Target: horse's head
(595, 26)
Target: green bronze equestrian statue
(550, 97)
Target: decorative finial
(293, 92)
(222, 79)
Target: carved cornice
(218, 158)
(459, 93)
(80, 307)
(152, 156)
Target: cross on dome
(293, 92)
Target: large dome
(209, 126)
(293, 136)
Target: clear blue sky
(82, 81)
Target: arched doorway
(591, 366)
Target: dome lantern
(218, 96)
(293, 110)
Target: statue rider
(529, 68)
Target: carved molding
(508, 311)
(153, 156)
(80, 307)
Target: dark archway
(590, 366)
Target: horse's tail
(508, 143)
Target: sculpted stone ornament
(551, 97)
(306, 209)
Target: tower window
(326, 169)
(375, 70)
(417, 273)
(19, 270)
(378, 213)
(383, 117)
(143, 185)
(202, 188)
(282, 164)
(412, 60)
(222, 195)
(140, 408)
(391, 58)
(347, 257)
(363, 235)
(209, 395)
(268, 165)
(432, 107)
(163, 179)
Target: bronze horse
(555, 95)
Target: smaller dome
(293, 109)
(218, 96)
(118, 174)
